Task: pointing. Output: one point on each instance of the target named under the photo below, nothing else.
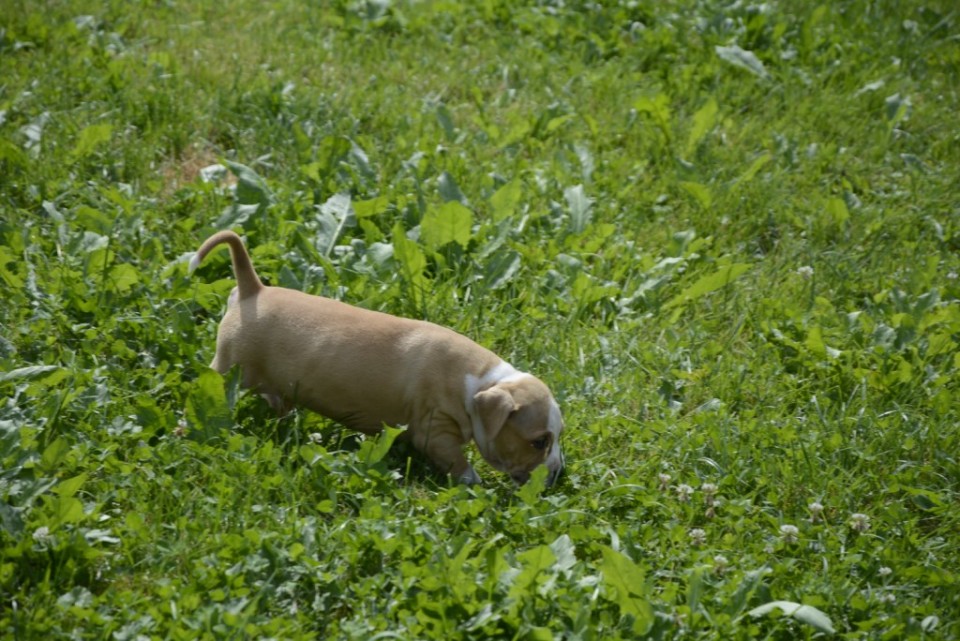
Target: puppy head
(520, 426)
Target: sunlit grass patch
(725, 235)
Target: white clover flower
(789, 533)
(709, 498)
(41, 534)
(888, 597)
(884, 571)
(316, 437)
(859, 522)
(698, 537)
(720, 564)
(664, 479)
(805, 272)
(684, 492)
(181, 429)
(816, 509)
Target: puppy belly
(359, 408)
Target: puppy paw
(470, 477)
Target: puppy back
(248, 283)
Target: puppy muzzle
(554, 472)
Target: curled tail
(248, 283)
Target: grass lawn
(726, 234)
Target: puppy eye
(541, 443)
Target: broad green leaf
(530, 492)
(206, 409)
(373, 450)
(10, 520)
(815, 342)
(100, 536)
(251, 188)
(90, 138)
(621, 573)
(136, 524)
(335, 215)
(123, 277)
(803, 613)
(445, 119)
(695, 588)
(483, 617)
(412, 262)
(501, 268)
(754, 168)
(94, 220)
(709, 283)
(90, 242)
(53, 454)
(331, 151)
(360, 161)
(28, 373)
(559, 121)
(580, 208)
(587, 163)
(658, 109)
(539, 633)
(372, 207)
(703, 121)
(449, 223)
(67, 510)
(70, 486)
(925, 499)
(629, 583)
(586, 290)
(450, 190)
(506, 199)
(533, 562)
(563, 549)
(699, 192)
(10, 276)
(897, 108)
(235, 215)
(743, 59)
(837, 209)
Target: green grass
(737, 268)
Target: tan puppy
(365, 368)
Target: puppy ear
(494, 406)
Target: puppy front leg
(444, 447)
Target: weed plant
(725, 233)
